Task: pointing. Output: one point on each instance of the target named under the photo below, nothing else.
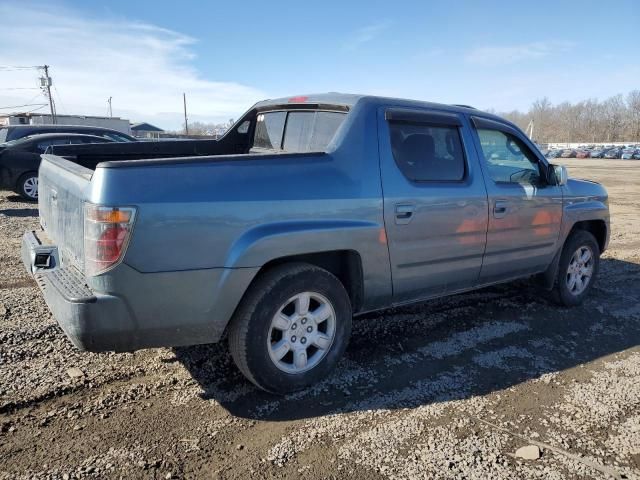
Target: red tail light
(106, 235)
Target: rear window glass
(428, 153)
(297, 131)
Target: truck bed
(90, 155)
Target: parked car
(613, 153)
(15, 132)
(569, 153)
(598, 153)
(636, 155)
(313, 209)
(20, 159)
(627, 153)
(583, 154)
(554, 153)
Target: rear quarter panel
(244, 211)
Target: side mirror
(560, 173)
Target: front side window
(508, 158)
(428, 153)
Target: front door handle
(404, 213)
(500, 208)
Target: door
(435, 202)
(525, 211)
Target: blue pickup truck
(310, 210)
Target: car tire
(576, 275)
(27, 186)
(279, 344)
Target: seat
(418, 155)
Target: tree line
(616, 119)
(204, 128)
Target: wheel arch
(346, 265)
(597, 228)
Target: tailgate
(63, 187)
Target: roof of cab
(349, 100)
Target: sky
(227, 55)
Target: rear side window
(111, 136)
(43, 146)
(296, 131)
(427, 153)
(269, 130)
(3, 134)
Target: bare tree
(614, 119)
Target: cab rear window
(296, 131)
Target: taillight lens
(106, 235)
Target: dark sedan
(15, 132)
(20, 159)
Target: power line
(25, 105)
(9, 68)
(35, 109)
(60, 98)
(20, 88)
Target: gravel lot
(447, 389)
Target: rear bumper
(139, 310)
(92, 322)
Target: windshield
(296, 131)
(3, 134)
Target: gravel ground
(446, 389)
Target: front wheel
(578, 268)
(291, 328)
(27, 186)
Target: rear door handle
(500, 208)
(404, 213)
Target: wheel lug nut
(309, 329)
(303, 340)
(294, 326)
(293, 339)
(304, 320)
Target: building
(115, 123)
(145, 130)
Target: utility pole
(186, 125)
(110, 111)
(46, 82)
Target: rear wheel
(292, 327)
(577, 269)
(27, 186)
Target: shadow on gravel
(20, 212)
(443, 350)
(18, 199)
